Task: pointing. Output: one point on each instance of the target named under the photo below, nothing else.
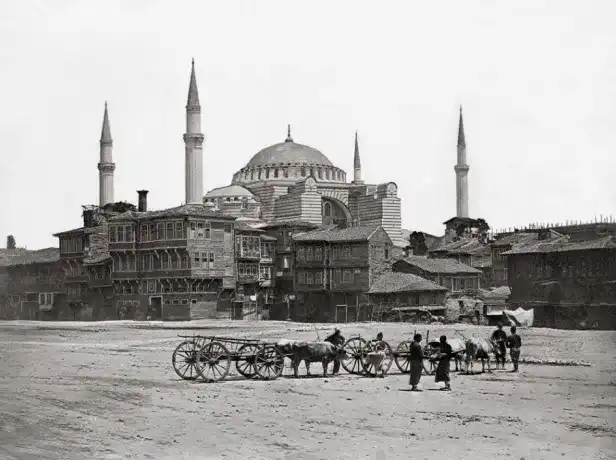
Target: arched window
(303, 171)
(286, 172)
(244, 204)
(276, 172)
(235, 199)
(267, 171)
(259, 173)
(252, 174)
(327, 209)
(246, 174)
(320, 173)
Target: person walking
(514, 342)
(337, 340)
(444, 358)
(499, 337)
(416, 360)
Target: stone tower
(461, 170)
(356, 164)
(106, 166)
(193, 141)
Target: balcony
(248, 278)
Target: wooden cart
(210, 358)
(357, 362)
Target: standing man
(337, 340)
(499, 337)
(416, 360)
(444, 358)
(514, 342)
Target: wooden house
(455, 276)
(335, 269)
(172, 264)
(569, 284)
(395, 294)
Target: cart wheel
(247, 355)
(355, 349)
(371, 370)
(184, 360)
(213, 362)
(269, 362)
(429, 366)
(402, 355)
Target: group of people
(502, 342)
(443, 355)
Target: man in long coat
(416, 361)
(444, 357)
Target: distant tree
(10, 242)
(483, 226)
(417, 242)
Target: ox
(313, 352)
(478, 348)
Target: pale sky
(537, 80)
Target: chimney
(88, 218)
(143, 200)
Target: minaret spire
(106, 166)
(193, 142)
(289, 138)
(356, 163)
(193, 92)
(461, 170)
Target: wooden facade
(334, 270)
(569, 285)
(255, 255)
(174, 264)
(453, 275)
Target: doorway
(155, 309)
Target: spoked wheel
(213, 362)
(184, 359)
(429, 366)
(402, 355)
(355, 349)
(370, 368)
(269, 363)
(247, 357)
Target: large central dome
(288, 162)
(289, 152)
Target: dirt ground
(108, 391)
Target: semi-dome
(288, 152)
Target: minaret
(356, 164)
(193, 141)
(461, 170)
(106, 165)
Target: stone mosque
(289, 181)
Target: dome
(288, 152)
(229, 191)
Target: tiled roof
(20, 256)
(74, 231)
(444, 266)
(461, 246)
(268, 238)
(547, 246)
(515, 238)
(290, 223)
(333, 234)
(403, 282)
(185, 210)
